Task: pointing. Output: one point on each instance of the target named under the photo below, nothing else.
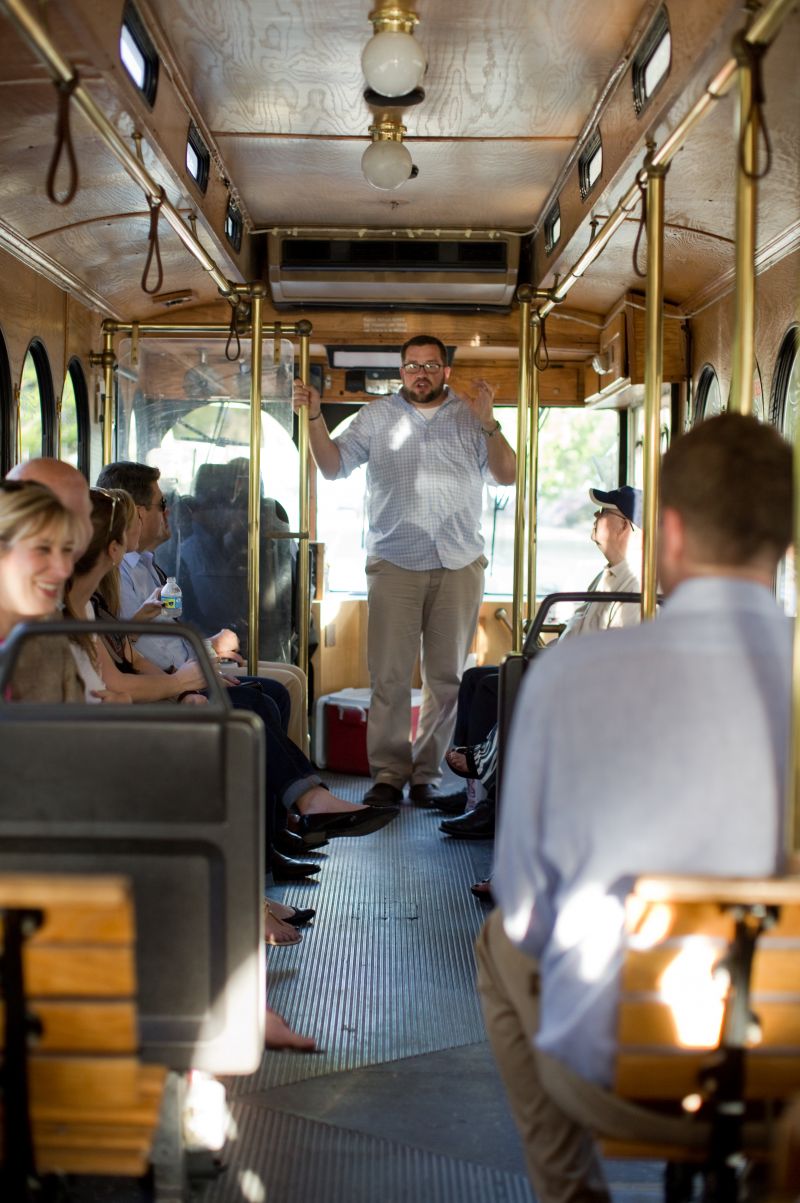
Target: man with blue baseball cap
(617, 532)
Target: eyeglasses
(162, 504)
(432, 365)
(611, 514)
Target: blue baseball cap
(627, 501)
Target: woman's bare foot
(276, 932)
(320, 801)
(280, 911)
(278, 1035)
(457, 761)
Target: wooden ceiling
(277, 89)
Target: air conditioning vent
(389, 271)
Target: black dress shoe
(284, 868)
(383, 794)
(452, 804)
(423, 795)
(477, 824)
(299, 918)
(291, 844)
(347, 822)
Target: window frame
(788, 353)
(552, 219)
(132, 21)
(590, 151)
(233, 214)
(7, 419)
(47, 395)
(658, 30)
(80, 389)
(194, 139)
(708, 376)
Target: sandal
(277, 932)
(466, 752)
(483, 890)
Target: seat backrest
(173, 798)
(93, 1108)
(679, 961)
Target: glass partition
(185, 409)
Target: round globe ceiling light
(393, 63)
(386, 164)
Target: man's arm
(502, 460)
(324, 450)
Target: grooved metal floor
(403, 1102)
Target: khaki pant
(433, 614)
(562, 1161)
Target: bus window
(636, 465)
(36, 405)
(709, 395)
(578, 450)
(6, 424)
(785, 400)
(185, 409)
(74, 426)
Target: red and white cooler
(340, 730)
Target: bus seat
(76, 1099)
(172, 797)
(516, 664)
(708, 1025)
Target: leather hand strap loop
(65, 89)
(153, 250)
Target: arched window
(786, 385)
(709, 395)
(783, 414)
(37, 411)
(6, 409)
(74, 425)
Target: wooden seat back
(674, 989)
(93, 1106)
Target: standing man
(428, 452)
(658, 749)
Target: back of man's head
(730, 479)
(136, 479)
(69, 485)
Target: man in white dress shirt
(617, 532)
(659, 749)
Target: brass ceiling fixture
(386, 162)
(393, 62)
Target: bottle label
(172, 603)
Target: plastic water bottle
(172, 600)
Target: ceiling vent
(393, 271)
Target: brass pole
(653, 377)
(108, 363)
(533, 468)
(746, 199)
(37, 37)
(254, 491)
(523, 395)
(303, 551)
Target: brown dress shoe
(383, 794)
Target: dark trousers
(477, 704)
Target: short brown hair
(424, 340)
(136, 479)
(730, 479)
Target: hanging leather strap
(751, 54)
(65, 88)
(233, 333)
(642, 186)
(153, 249)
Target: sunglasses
(114, 498)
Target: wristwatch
(491, 433)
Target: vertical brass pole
(108, 389)
(533, 468)
(303, 553)
(743, 365)
(523, 396)
(653, 374)
(254, 490)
